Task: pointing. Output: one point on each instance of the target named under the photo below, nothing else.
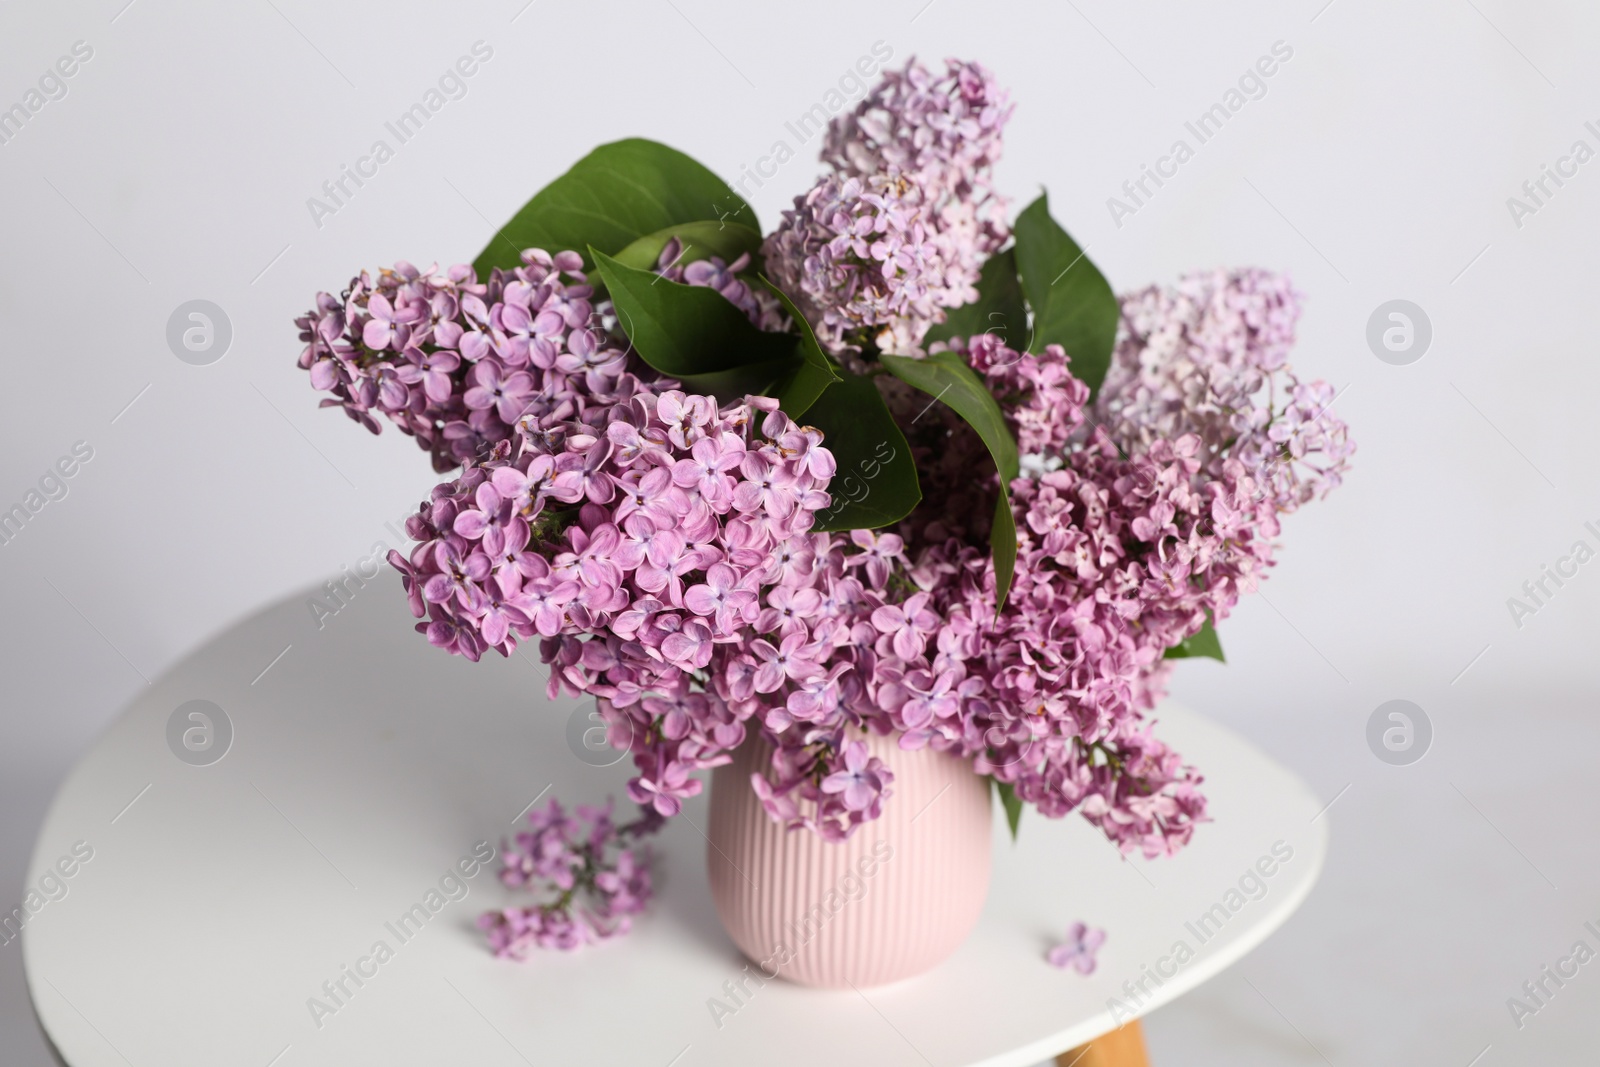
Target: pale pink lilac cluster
(592, 873)
(1209, 357)
(897, 233)
(455, 362)
(1130, 537)
(944, 135)
(864, 262)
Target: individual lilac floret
(1078, 950)
(861, 784)
(593, 874)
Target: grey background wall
(1375, 164)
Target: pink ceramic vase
(893, 901)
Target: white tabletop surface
(219, 898)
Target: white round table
(217, 900)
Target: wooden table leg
(1119, 1048)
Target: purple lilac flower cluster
(878, 249)
(943, 134)
(1209, 357)
(595, 876)
(1132, 531)
(667, 565)
(1117, 561)
(867, 264)
(455, 362)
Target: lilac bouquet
(900, 467)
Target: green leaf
(946, 377)
(766, 378)
(876, 481)
(816, 371)
(613, 196)
(1011, 802)
(694, 334)
(701, 240)
(1203, 643)
(999, 308)
(1003, 546)
(1072, 302)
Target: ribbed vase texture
(893, 901)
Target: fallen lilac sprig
(594, 874)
